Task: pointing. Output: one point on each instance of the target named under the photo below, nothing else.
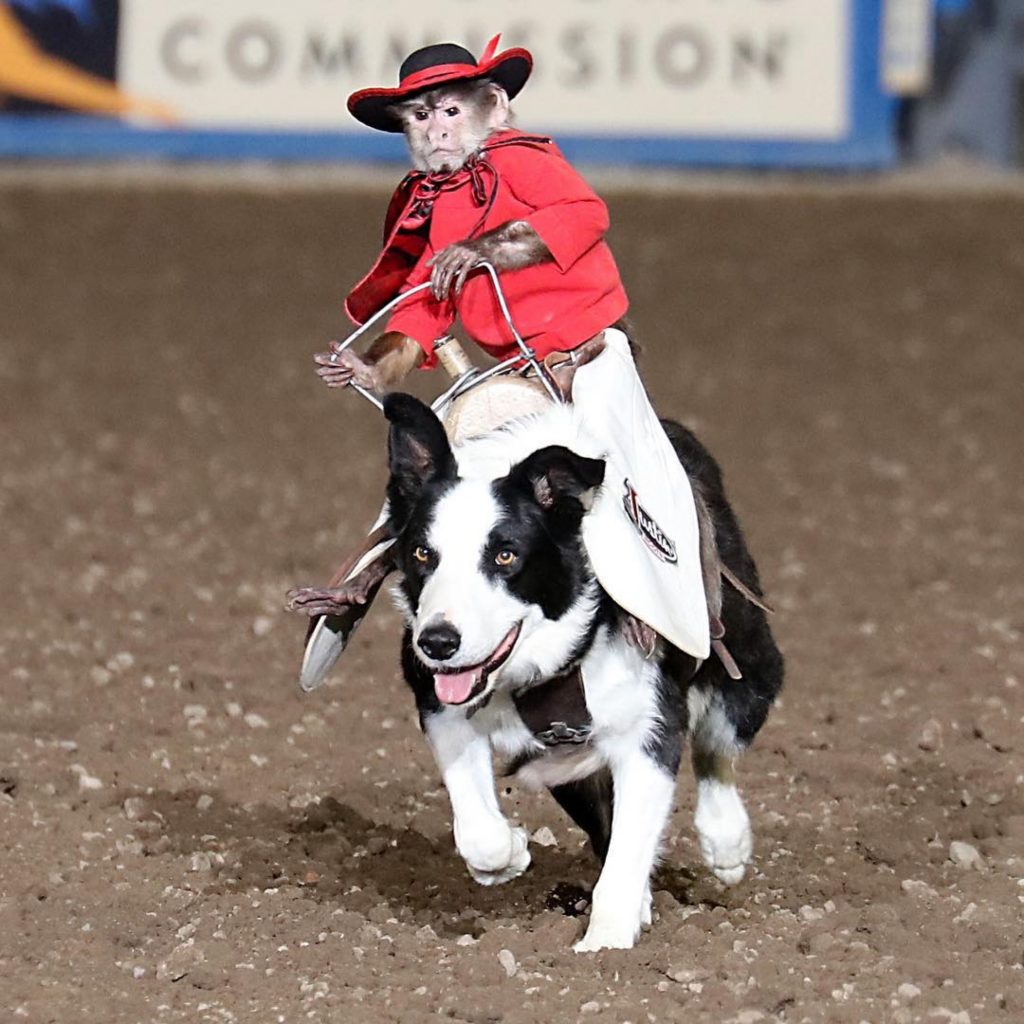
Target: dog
(512, 647)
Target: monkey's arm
(388, 359)
(510, 246)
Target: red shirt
(555, 305)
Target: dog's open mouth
(459, 686)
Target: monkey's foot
(328, 600)
(639, 634)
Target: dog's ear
(418, 452)
(555, 473)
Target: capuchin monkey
(443, 129)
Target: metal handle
(526, 353)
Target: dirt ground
(186, 837)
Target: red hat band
(435, 65)
(440, 73)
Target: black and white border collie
(499, 599)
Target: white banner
(739, 68)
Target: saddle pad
(641, 534)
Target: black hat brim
(375, 107)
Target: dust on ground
(187, 837)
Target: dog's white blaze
(457, 591)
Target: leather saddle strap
(372, 540)
(556, 711)
(728, 574)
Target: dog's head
(498, 591)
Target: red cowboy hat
(437, 65)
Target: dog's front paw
(726, 841)
(498, 859)
(608, 933)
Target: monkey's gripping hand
(511, 246)
(451, 267)
(338, 368)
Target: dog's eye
(505, 558)
(421, 553)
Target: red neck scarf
(407, 223)
(478, 172)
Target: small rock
(592, 1007)
(255, 721)
(206, 978)
(138, 972)
(376, 845)
(748, 1017)
(915, 887)
(204, 803)
(134, 808)
(100, 676)
(931, 735)
(182, 960)
(195, 714)
(963, 855)
(544, 837)
(200, 862)
(907, 991)
(466, 940)
(85, 780)
(507, 960)
(121, 661)
(262, 625)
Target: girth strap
(556, 711)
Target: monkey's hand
(511, 246)
(451, 267)
(338, 368)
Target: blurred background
(766, 83)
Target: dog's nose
(439, 642)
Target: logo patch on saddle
(653, 535)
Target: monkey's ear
(500, 111)
(418, 453)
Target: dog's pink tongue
(455, 687)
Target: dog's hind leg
(589, 803)
(493, 850)
(723, 826)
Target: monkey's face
(445, 127)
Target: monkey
(460, 133)
(444, 128)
